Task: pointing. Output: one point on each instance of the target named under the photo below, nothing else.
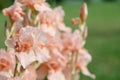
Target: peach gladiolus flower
(56, 75)
(83, 59)
(27, 44)
(7, 62)
(32, 3)
(42, 71)
(14, 12)
(26, 39)
(59, 14)
(29, 74)
(72, 41)
(42, 7)
(16, 78)
(3, 77)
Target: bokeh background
(103, 40)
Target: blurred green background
(103, 40)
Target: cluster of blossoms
(40, 46)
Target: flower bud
(83, 12)
(75, 21)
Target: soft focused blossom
(42, 7)
(3, 77)
(39, 5)
(48, 29)
(56, 63)
(72, 41)
(58, 75)
(26, 59)
(51, 21)
(16, 78)
(59, 13)
(86, 72)
(42, 71)
(67, 72)
(7, 62)
(30, 74)
(28, 44)
(26, 39)
(83, 59)
(14, 12)
(42, 55)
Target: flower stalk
(39, 44)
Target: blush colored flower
(14, 12)
(59, 13)
(27, 38)
(48, 29)
(3, 77)
(42, 55)
(29, 45)
(56, 64)
(34, 4)
(29, 74)
(54, 43)
(72, 41)
(7, 62)
(15, 78)
(58, 75)
(51, 21)
(83, 59)
(59, 18)
(42, 7)
(86, 72)
(67, 72)
(26, 58)
(42, 71)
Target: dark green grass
(103, 41)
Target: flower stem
(74, 62)
(16, 65)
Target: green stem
(74, 62)
(16, 65)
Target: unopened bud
(83, 12)
(75, 21)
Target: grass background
(103, 40)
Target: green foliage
(58, 1)
(51, 2)
(5, 3)
(110, 0)
(54, 1)
(87, 1)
